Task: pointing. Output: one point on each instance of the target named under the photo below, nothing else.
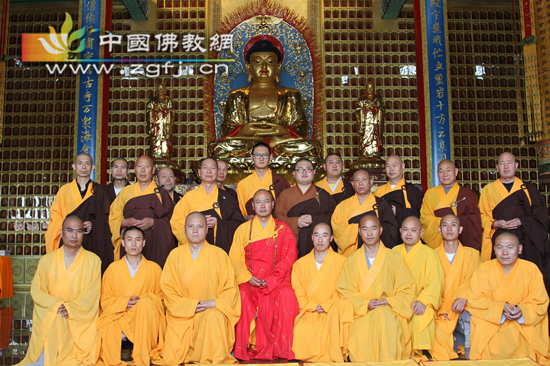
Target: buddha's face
(263, 66)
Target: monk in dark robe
(450, 198)
(222, 174)
(404, 198)
(148, 207)
(119, 175)
(221, 210)
(333, 182)
(511, 205)
(261, 178)
(304, 205)
(347, 215)
(88, 201)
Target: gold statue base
(368, 163)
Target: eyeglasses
(261, 156)
(304, 170)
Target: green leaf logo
(60, 43)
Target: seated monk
(452, 324)
(132, 307)
(347, 215)
(145, 205)
(221, 210)
(65, 289)
(314, 279)
(509, 304)
(264, 109)
(263, 252)
(425, 267)
(202, 300)
(370, 321)
(304, 205)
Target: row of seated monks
(255, 277)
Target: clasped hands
(509, 225)
(143, 224)
(373, 304)
(257, 282)
(512, 312)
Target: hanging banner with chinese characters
(90, 83)
(530, 66)
(436, 89)
(4, 12)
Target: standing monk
(132, 307)
(263, 252)
(370, 321)
(509, 306)
(452, 324)
(450, 198)
(404, 198)
(119, 175)
(202, 301)
(349, 212)
(167, 180)
(222, 174)
(511, 205)
(87, 200)
(262, 178)
(304, 205)
(221, 210)
(333, 183)
(148, 207)
(424, 265)
(314, 279)
(65, 289)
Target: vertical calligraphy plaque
(90, 83)
(436, 87)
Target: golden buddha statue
(160, 119)
(370, 120)
(264, 110)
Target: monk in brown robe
(222, 212)
(261, 178)
(222, 174)
(148, 207)
(304, 205)
(450, 198)
(512, 205)
(333, 182)
(119, 175)
(167, 180)
(404, 198)
(88, 201)
(347, 215)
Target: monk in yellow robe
(262, 178)
(65, 289)
(132, 307)
(370, 321)
(314, 279)
(263, 252)
(87, 200)
(452, 325)
(425, 267)
(221, 209)
(333, 182)
(202, 300)
(148, 207)
(450, 198)
(349, 212)
(509, 304)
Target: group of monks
(318, 272)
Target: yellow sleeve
(299, 284)
(53, 233)
(177, 222)
(430, 222)
(404, 289)
(434, 280)
(472, 260)
(345, 235)
(241, 195)
(237, 255)
(177, 305)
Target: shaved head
(145, 158)
(446, 161)
(371, 217)
(84, 155)
(412, 220)
(450, 216)
(71, 218)
(195, 214)
(323, 224)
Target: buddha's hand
(263, 129)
